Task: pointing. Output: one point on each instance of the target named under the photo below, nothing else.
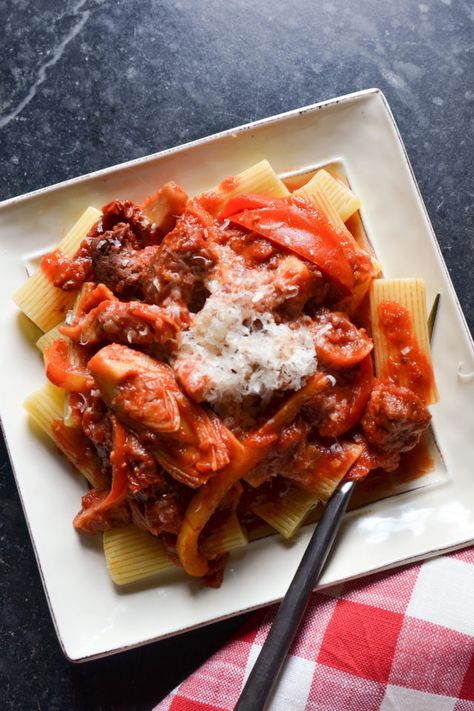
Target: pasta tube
(259, 178)
(337, 193)
(132, 554)
(38, 298)
(317, 195)
(400, 335)
(287, 514)
(48, 338)
(46, 407)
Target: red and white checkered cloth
(395, 641)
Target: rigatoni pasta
(38, 298)
(315, 190)
(400, 332)
(260, 179)
(287, 514)
(338, 194)
(46, 408)
(48, 338)
(133, 555)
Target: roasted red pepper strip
(301, 229)
(362, 388)
(356, 397)
(250, 201)
(63, 373)
(118, 460)
(118, 489)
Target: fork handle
(269, 663)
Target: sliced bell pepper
(353, 399)
(304, 231)
(63, 373)
(118, 489)
(249, 201)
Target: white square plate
(92, 617)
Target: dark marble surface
(91, 83)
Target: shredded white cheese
(234, 348)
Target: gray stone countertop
(90, 83)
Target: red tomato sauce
(229, 184)
(50, 263)
(380, 484)
(76, 446)
(64, 272)
(410, 361)
(415, 463)
(210, 201)
(62, 372)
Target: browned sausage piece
(395, 418)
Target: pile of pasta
(218, 364)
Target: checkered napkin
(396, 641)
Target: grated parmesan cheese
(233, 349)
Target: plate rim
(412, 560)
